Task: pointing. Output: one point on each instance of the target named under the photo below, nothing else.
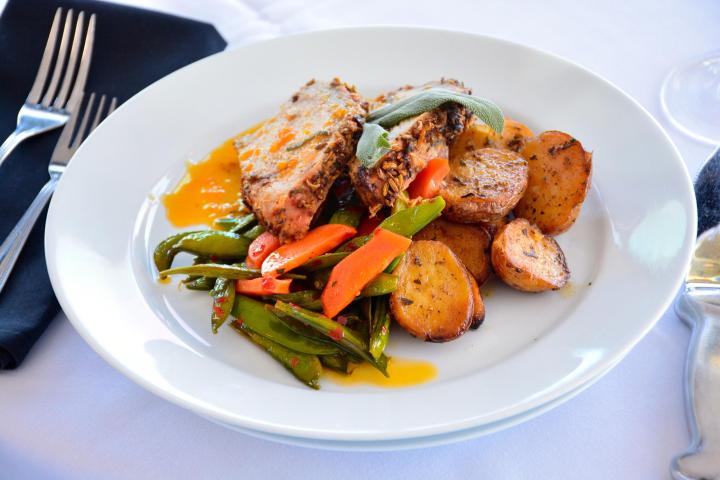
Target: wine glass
(690, 98)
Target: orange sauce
(568, 291)
(403, 373)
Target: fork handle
(701, 461)
(13, 141)
(13, 244)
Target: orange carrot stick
(318, 241)
(356, 270)
(263, 286)
(260, 248)
(427, 183)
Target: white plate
(632, 240)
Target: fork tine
(59, 61)
(63, 142)
(70, 69)
(41, 76)
(80, 134)
(81, 79)
(113, 104)
(98, 115)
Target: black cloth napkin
(133, 48)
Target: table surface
(67, 414)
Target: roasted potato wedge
(479, 312)
(513, 137)
(493, 226)
(470, 243)
(527, 259)
(434, 299)
(476, 135)
(483, 185)
(559, 178)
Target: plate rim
(595, 373)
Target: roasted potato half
(476, 135)
(434, 299)
(559, 178)
(513, 137)
(470, 243)
(483, 185)
(527, 259)
(493, 226)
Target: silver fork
(41, 113)
(70, 139)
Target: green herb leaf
(373, 144)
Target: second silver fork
(69, 141)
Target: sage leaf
(373, 144)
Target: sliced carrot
(356, 270)
(369, 224)
(260, 248)
(263, 286)
(427, 183)
(318, 241)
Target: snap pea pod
(254, 232)
(404, 222)
(214, 270)
(347, 216)
(401, 202)
(223, 294)
(379, 327)
(325, 260)
(234, 224)
(339, 363)
(304, 367)
(320, 278)
(393, 265)
(346, 338)
(210, 243)
(262, 321)
(200, 283)
(294, 276)
(383, 284)
(309, 299)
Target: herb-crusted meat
(413, 142)
(289, 164)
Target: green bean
(393, 265)
(345, 337)
(210, 243)
(234, 224)
(254, 232)
(264, 322)
(411, 220)
(199, 283)
(339, 363)
(223, 294)
(309, 299)
(304, 367)
(347, 216)
(379, 327)
(383, 284)
(294, 276)
(214, 270)
(404, 222)
(325, 260)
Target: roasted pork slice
(413, 142)
(290, 162)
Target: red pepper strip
(369, 224)
(318, 241)
(263, 286)
(427, 182)
(356, 270)
(260, 248)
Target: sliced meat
(290, 162)
(413, 142)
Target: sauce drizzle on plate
(403, 373)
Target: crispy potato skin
(493, 226)
(484, 185)
(434, 299)
(527, 259)
(471, 243)
(560, 172)
(479, 312)
(513, 137)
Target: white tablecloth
(67, 414)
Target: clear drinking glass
(690, 98)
